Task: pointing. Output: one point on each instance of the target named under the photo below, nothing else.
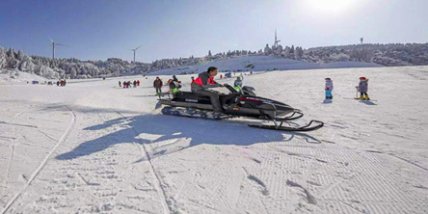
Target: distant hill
(271, 58)
(259, 63)
(382, 54)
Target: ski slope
(259, 63)
(15, 77)
(92, 147)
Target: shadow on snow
(155, 130)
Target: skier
(120, 84)
(202, 84)
(157, 84)
(328, 88)
(363, 88)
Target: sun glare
(328, 6)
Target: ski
(311, 126)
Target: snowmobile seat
(228, 99)
(191, 97)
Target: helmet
(363, 78)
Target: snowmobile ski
(311, 126)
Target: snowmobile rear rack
(294, 116)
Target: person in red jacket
(203, 83)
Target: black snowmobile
(243, 103)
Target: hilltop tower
(276, 41)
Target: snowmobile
(242, 103)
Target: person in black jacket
(157, 84)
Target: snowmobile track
(161, 191)
(9, 165)
(43, 163)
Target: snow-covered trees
(298, 53)
(383, 54)
(67, 68)
(3, 60)
(267, 50)
(388, 55)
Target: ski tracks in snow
(166, 204)
(9, 165)
(44, 161)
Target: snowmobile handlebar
(245, 90)
(231, 89)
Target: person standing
(157, 84)
(363, 87)
(328, 88)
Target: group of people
(362, 89)
(174, 85)
(200, 85)
(205, 81)
(129, 84)
(61, 82)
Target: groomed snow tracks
(159, 188)
(45, 160)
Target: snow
(14, 76)
(92, 147)
(259, 63)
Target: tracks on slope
(161, 191)
(43, 163)
(12, 152)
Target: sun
(329, 6)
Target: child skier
(363, 88)
(328, 88)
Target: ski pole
(356, 89)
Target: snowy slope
(91, 147)
(260, 63)
(13, 76)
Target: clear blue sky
(99, 29)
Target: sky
(101, 29)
